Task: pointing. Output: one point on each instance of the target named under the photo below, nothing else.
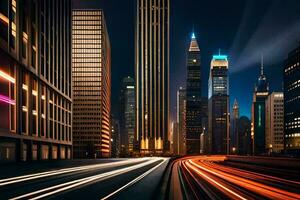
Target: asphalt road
(97, 179)
(211, 177)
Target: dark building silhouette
(291, 79)
(115, 138)
(244, 136)
(193, 98)
(234, 136)
(181, 120)
(35, 80)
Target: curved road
(209, 178)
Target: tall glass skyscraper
(127, 117)
(35, 80)
(218, 105)
(258, 123)
(152, 75)
(193, 98)
(291, 78)
(91, 85)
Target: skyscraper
(152, 75)
(115, 138)
(35, 75)
(127, 117)
(218, 105)
(234, 138)
(193, 98)
(244, 138)
(274, 123)
(91, 85)
(260, 95)
(291, 78)
(175, 139)
(181, 120)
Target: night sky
(241, 29)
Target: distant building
(218, 105)
(91, 85)
(127, 117)
(291, 79)
(115, 138)
(193, 98)
(181, 119)
(260, 95)
(152, 70)
(204, 123)
(234, 138)
(35, 80)
(244, 136)
(274, 123)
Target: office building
(204, 123)
(175, 138)
(127, 118)
(193, 98)
(152, 34)
(35, 76)
(260, 95)
(218, 105)
(115, 138)
(291, 79)
(244, 136)
(91, 85)
(234, 140)
(274, 123)
(181, 120)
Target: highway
(211, 177)
(115, 179)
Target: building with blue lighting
(193, 98)
(258, 121)
(218, 106)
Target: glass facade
(91, 85)
(218, 106)
(32, 99)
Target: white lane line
(76, 183)
(23, 178)
(134, 180)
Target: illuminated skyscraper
(193, 98)
(291, 78)
(274, 123)
(152, 75)
(181, 116)
(127, 117)
(218, 105)
(91, 85)
(259, 113)
(35, 80)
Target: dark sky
(242, 29)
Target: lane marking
(82, 181)
(134, 180)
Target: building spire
(262, 65)
(194, 45)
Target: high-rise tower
(91, 85)
(258, 123)
(218, 105)
(193, 98)
(181, 120)
(152, 75)
(234, 139)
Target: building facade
(35, 80)
(152, 34)
(274, 123)
(291, 79)
(218, 105)
(91, 85)
(193, 98)
(244, 138)
(181, 120)
(234, 137)
(258, 121)
(115, 138)
(127, 117)
(175, 138)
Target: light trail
(8, 181)
(134, 180)
(76, 183)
